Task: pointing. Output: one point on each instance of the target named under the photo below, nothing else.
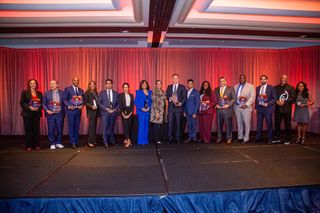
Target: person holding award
(54, 111)
(91, 101)
(31, 101)
(143, 104)
(301, 112)
(208, 102)
(283, 111)
(191, 110)
(109, 106)
(126, 107)
(246, 96)
(158, 112)
(176, 95)
(265, 101)
(73, 100)
(226, 98)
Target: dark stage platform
(155, 169)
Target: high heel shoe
(298, 140)
(303, 142)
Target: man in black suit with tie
(176, 95)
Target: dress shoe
(218, 140)
(53, 146)
(270, 142)
(244, 142)
(240, 140)
(229, 141)
(78, 145)
(59, 146)
(188, 141)
(74, 146)
(91, 145)
(106, 146)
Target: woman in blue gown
(143, 105)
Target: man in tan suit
(245, 97)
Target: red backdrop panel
(133, 65)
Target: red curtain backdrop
(133, 65)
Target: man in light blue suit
(54, 111)
(109, 106)
(73, 100)
(191, 109)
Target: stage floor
(154, 169)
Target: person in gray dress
(301, 112)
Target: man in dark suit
(226, 98)
(109, 105)
(54, 111)
(191, 109)
(176, 96)
(73, 100)
(265, 101)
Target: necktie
(175, 89)
(109, 96)
(77, 93)
(221, 91)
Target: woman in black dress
(31, 103)
(91, 101)
(126, 105)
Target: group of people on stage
(159, 107)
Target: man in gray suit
(245, 97)
(226, 98)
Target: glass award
(242, 100)
(35, 102)
(55, 106)
(223, 101)
(76, 100)
(203, 104)
(174, 98)
(262, 99)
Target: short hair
(263, 76)
(190, 80)
(125, 83)
(222, 78)
(175, 74)
(109, 80)
(142, 82)
(54, 80)
(243, 75)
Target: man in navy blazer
(191, 109)
(109, 106)
(54, 111)
(265, 105)
(73, 100)
(176, 96)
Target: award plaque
(174, 98)
(223, 101)
(35, 102)
(203, 104)
(262, 99)
(146, 104)
(54, 106)
(242, 100)
(111, 105)
(76, 100)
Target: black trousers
(92, 131)
(157, 132)
(32, 129)
(278, 117)
(174, 118)
(127, 127)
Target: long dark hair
(205, 91)
(95, 89)
(142, 82)
(32, 79)
(305, 92)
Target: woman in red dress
(207, 104)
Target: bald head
(75, 81)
